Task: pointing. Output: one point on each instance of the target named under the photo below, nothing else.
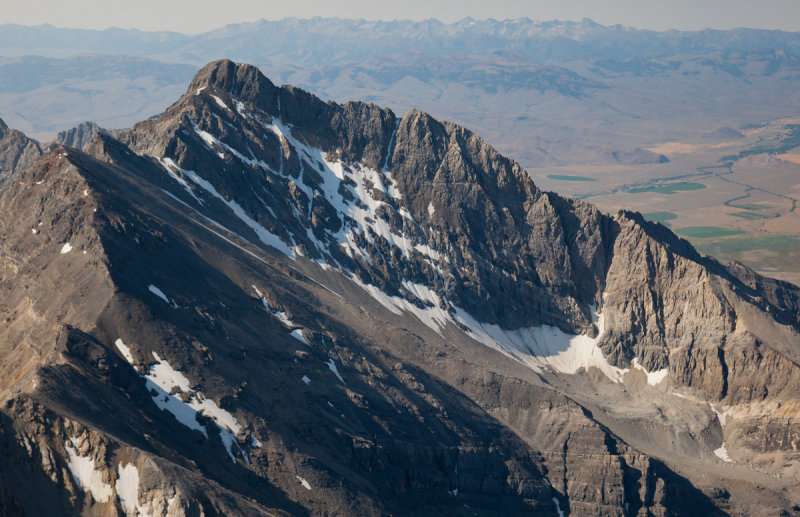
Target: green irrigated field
(750, 215)
(669, 188)
(751, 206)
(564, 177)
(707, 232)
(760, 252)
(660, 217)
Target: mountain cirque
(259, 303)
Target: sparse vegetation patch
(669, 188)
(563, 177)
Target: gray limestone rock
(17, 152)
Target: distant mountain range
(546, 93)
(318, 42)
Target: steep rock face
(390, 442)
(17, 152)
(595, 471)
(658, 297)
(78, 136)
(724, 332)
(431, 187)
(51, 244)
(667, 307)
(299, 306)
(505, 240)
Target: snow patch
(653, 378)
(537, 347)
(220, 102)
(434, 317)
(158, 292)
(558, 507)
(228, 426)
(166, 377)
(211, 141)
(332, 367)
(298, 334)
(124, 350)
(85, 475)
(267, 237)
(423, 292)
(303, 482)
(362, 182)
(544, 347)
(280, 315)
(431, 253)
(170, 167)
(224, 419)
(127, 486)
(169, 389)
(240, 108)
(431, 209)
(66, 248)
(722, 453)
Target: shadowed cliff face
(261, 303)
(17, 152)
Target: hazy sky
(195, 16)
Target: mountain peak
(17, 152)
(254, 295)
(78, 136)
(240, 80)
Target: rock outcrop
(17, 152)
(78, 136)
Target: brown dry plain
(756, 196)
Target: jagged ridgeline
(259, 303)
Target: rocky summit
(260, 303)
